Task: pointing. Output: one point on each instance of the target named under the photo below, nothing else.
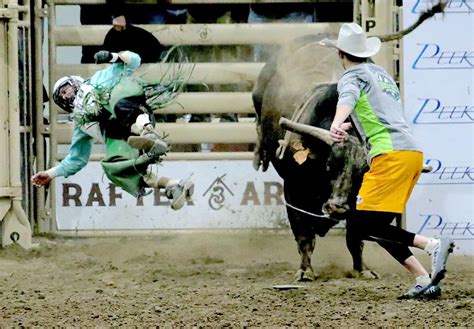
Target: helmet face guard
(66, 103)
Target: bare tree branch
(439, 8)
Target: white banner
(439, 103)
(228, 194)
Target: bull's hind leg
(306, 246)
(356, 247)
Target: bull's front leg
(306, 246)
(260, 157)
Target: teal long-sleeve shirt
(81, 143)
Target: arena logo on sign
(433, 111)
(433, 57)
(446, 174)
(217, 192)
(452, 6)
(439, 226)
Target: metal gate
(18, 99)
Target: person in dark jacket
(123, 35)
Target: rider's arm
(124, 64)
(78, 156)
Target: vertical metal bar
(13, 104)
(50, 212)
(25, 104)
(4, 160)
(31, 121)
(401, 78)
(37, 53)
(356, 15)
(13, 114)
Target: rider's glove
(103, 56)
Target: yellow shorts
(390, 181)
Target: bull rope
(310, 213)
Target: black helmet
(72, 80)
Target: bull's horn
(302, 129)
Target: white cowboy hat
(352, 40)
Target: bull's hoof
(265, 164)
(369, 274)
(260, 160)
(256, 162)
(365, 274)
(305, 276)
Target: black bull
(329, 175)
(294, 85)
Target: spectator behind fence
(135, 14)
(123, 35)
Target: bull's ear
(307, 130)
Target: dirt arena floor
(215, 279)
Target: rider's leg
(178, 191)
(132, 117)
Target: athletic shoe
(439, 258)
(422, 289)
(432, 292)
(180, 192)
(149, 143)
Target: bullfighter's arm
(339, 128)
(349, 88)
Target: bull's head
(345, 166)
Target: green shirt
(377, 110)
